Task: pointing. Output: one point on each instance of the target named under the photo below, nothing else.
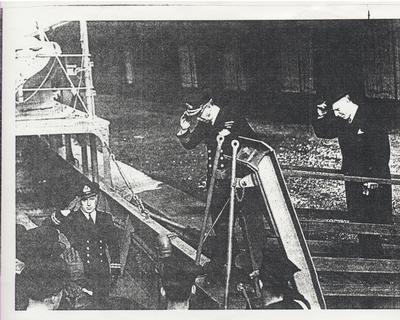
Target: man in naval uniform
(342, 111)
(177, 277)
(202, 125)
(278, 291)
(91, 232)
(178, 282)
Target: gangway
(279, 211)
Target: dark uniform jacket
(90, 240)
(207, 134)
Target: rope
(241, 197)
(215, 221)
(41, 84)
(69, 80)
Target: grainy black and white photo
(206, 163)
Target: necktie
(91, 218)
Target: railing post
(58, 143)
(93, 158)
(85, 161)
(53, 142)
(69, 156)
(107, 168)
(87, 67)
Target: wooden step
(357, 290)
(337, 248)
(333, 227)
(316, 214)
(359, 265)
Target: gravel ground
(145, 138)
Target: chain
(241, 197)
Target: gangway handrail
(334, 174)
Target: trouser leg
(100, 285)
(374, 207)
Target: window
(382, 57)
(233, 73)
(296, 71)
(187, 64)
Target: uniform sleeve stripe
(115, 265)
(54, 219)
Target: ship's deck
(341, 272)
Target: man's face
(341, 113)
(89, 205)
(344, 108)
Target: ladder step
(361, 265)
(357, 290)
(333, 248)
(333, 227)
(311, 213)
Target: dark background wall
(267, 67)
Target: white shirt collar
(352, 115)
(93, 215)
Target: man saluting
(91, 232)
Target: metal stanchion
(235, 146)
(220, 140)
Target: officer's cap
(88, 190)
(178, 277)
(277, 268)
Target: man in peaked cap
(278, 292)
(91, 232)
(178, 282)
(201, 124)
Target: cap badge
(86, 189)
